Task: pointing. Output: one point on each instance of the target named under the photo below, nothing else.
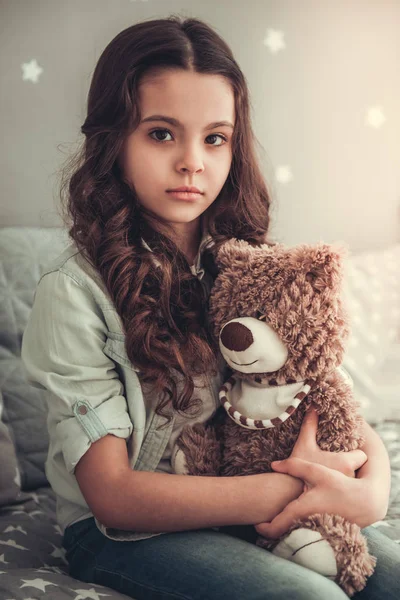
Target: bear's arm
(340, 426)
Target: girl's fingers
(357, 458)
(262, 528)
(281, 523)
(312, 473)
(308, 430)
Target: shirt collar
(206, 242)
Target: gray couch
(32, 560)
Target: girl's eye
(163, 131)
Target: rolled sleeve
(62, 352)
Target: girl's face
(159, 156)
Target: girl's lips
(185, 195)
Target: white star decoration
(58, 529)
(59, 553)
(283, 174)
(31, 71)
(40, 584)
(375, 116)
(17, 478)
(35, 497)
(32, 513)
(12, 528)
(13, 544)
(92, 594)
(274, 40)
(49, 569)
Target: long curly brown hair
(162, 310)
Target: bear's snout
(252, 346)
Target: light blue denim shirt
(73, 348)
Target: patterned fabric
(32, 560)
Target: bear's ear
(235, 251)
(323, 264)
(330, 256)
(231, 250)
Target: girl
(118, 337)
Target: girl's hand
(306, 448)
(325, 491)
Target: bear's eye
(311, 277)
(261, 316)
(316, 282)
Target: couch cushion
(372, 294)
(10, 479)
(24, 253)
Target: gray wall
(325, 104)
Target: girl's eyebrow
(175, 122)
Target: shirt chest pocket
(115, 349)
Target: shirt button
(82, 410)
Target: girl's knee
(313, 586)
(294, 582)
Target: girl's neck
(188, 237)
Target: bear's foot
(309, 549)
(178, 462)
(329, 545)
(196, 452)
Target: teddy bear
(279, 318)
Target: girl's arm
(376, 471)
(143, 501)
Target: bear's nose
(236, 336)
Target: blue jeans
(206, 564)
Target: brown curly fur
(297, 292)
(247, 452)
